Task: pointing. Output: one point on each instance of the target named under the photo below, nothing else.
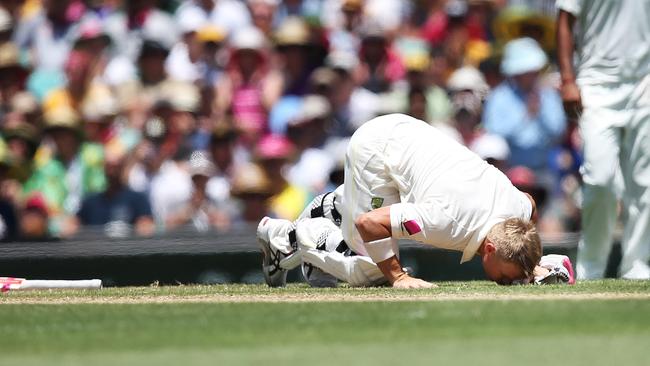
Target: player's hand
(571, 99)
(406, 281)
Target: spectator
(93, 40)
(22, 141)
(181, 99)
(118, 209)
(528, 115)
(293, 44)
(8, 224)
(13, 75)
(252, 188)
(467, 89)
(170, 132)
(263, 14)
(308, 134)
(196, 58)
(223, 148)
(380, 66)
(199, 211)
(229, 15)
(227, 156)
(184, 58)
(72, 169)
(171, 187)
(33, 219)
(345, 39)
(138, 93)
(343, 89)
(140, 20)
(273, 153)
(212, 57)
(80, 75)
(308, 129)
(24, 107)
(415, 55)
(249, 88)
(99, 110)
(47, 35)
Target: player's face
(502, 271)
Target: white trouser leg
(367, 184)
(601, 175)
(598, 222)
(355, 270)
(635, 164)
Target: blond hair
(517, 241)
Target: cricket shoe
(639, 271)
(560, 270)
(276, 262)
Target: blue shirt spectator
(118, 208)
(528, 115)
(124, 206)
(530, 136)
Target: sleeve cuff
(570, 6)
(380, 250)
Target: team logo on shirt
(376, 202)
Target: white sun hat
(522, 55)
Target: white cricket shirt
(450, 197)
(612, 39)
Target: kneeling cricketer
(404, 179)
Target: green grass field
(468, 323)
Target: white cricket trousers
(356, 270)
(368, 184)
(616, 163)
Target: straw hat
(210, 33)
(250, 179)
(292, 32)
(62, 117)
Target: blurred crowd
(140, 117)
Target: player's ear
(489, 247)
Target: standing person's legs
(600, 173)
(635, 165)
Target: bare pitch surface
(597, 323)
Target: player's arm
(565, 45)
(375, 230)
